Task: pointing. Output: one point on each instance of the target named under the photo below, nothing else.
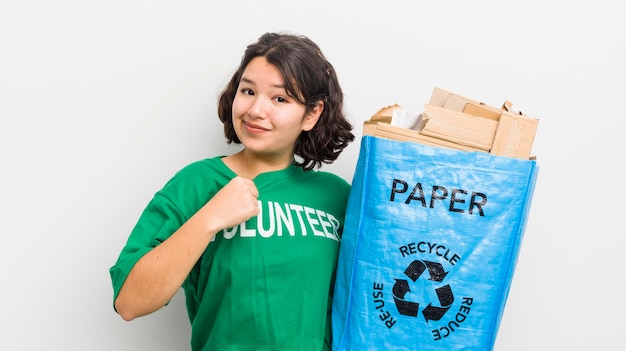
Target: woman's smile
(253, 128)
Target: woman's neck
(249, 165)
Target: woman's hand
(234, 204)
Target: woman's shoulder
(202, 165)
(327, 179)
(201, 170)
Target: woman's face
(266, 119)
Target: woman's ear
(313, 116)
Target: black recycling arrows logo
(414, 272)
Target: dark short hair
(309, 78)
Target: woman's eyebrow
(246, 80)
(250, 81)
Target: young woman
(251, 237)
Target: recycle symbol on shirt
(434, 310)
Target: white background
(102, 101)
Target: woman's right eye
(247, 91)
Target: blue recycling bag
(429, 247)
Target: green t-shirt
(265, 284)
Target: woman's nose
(258, 108)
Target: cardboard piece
(457, 122)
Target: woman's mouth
(254, 128)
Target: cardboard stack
(454, 121)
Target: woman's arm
(158, 275)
